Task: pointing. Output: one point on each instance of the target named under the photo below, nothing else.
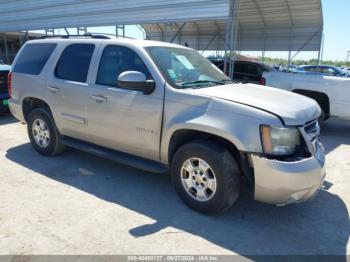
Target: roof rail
(95, 36)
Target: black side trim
(161, 125)
(126, 159)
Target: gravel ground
(80, 204)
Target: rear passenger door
(69, 88)
(122, 119)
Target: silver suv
(162, 107)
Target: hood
(292, 108)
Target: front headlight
(280, 141)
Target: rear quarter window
(33, 58)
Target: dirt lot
(80, 204)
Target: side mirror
(137, 81)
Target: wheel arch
(185, 135)
(321, 98)
(30, 103)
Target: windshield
(184, 68)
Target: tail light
(262, 81)
(9, 83)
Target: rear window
(33, 58)
(246, 68)
(74, 62)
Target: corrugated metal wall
(270, 25)
(16, 15)
(210, 35)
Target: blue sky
(336, 33)
(336, 29)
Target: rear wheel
(43, 133)
(206, 176)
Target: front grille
(3, 81)
(312, 130)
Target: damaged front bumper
(283, 183)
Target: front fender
(239, 124)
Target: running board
(123, 158)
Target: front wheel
(206, 176)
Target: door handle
(99, 98)
(53, 89)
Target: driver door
(122, 119)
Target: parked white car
(331, 93)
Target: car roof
(113, 40)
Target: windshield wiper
(229, 80)
(203, 82)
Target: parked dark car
(245, 71)
(4, 95)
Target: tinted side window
(33, 58)
(239, 68)
(116, 60)
(74, 62)
(312, 69)
(251, 69)
(328, 71)
(262, 69)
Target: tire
(52, 146)
(224, 168)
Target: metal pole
(236, 7)
(231, 50)
(198, 35)
(322, 48)
(263, 56)
(227, 40)
(320, 51)
(264, 48)
(289, 57)
(290, 46)
(20, 39)
(6, 49)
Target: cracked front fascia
(276, 181)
